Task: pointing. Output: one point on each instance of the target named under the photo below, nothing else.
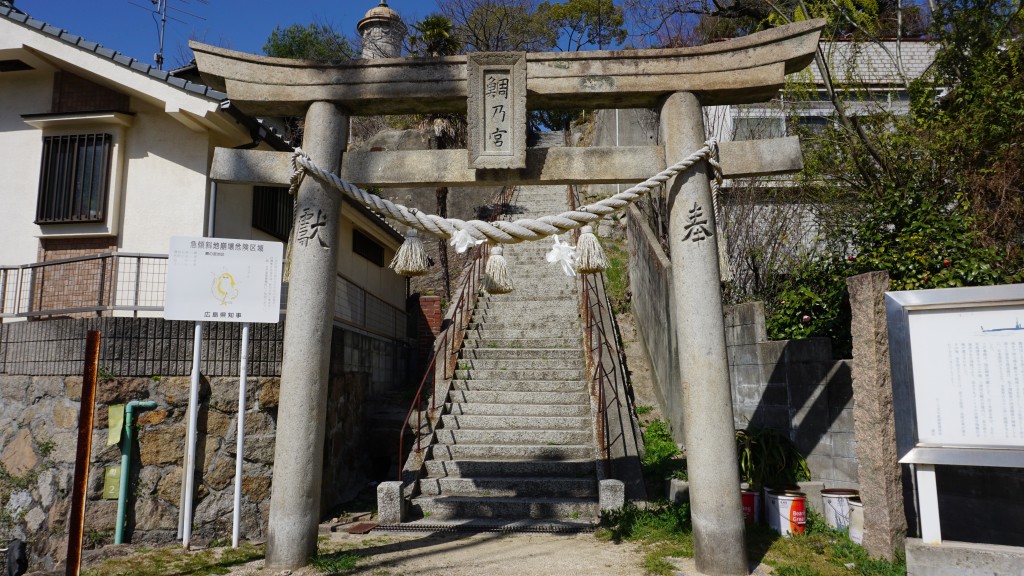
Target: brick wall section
(76, 94)
(427, 310)
(75, 284)
(60, 248)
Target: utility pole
(161, 8)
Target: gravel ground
(464, 554)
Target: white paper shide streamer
(564, 254)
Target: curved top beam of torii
(736, 71)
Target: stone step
(511, 468)
(555, 331)
(523, 363)
(541, 323)
(542, 306)
(546, 291)
(511, 452)
(520, 437)
(546, 316)
(451, 507)
(530, 266)
(523, 486)
(519, 398)
(522, 343)
(520, 385)
(520, 374)
(525, 317)
(474, 408)
(525, 353)
(513, 422)
(479, 525)
(517, 322)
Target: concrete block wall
(135, 347)
(154, 346)
(793, 386)
(796, 387)
(650, 281)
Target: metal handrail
(446, 349)
(448, 343)
(604, 377)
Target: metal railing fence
(94, 285)
(100, 284)
(606, 366)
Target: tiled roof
(873, 63)
(15, 15)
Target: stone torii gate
(676, 81)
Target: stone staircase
(516, 440)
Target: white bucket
(787, 512)
(836, 502)
(856, 520)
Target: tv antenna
(158, 10)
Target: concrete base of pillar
(962, 559)
(677, 491)
(390, 503)
(611, 495)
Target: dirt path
(487, 554)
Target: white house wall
(165, 183)
(20, 157)
(233, 218)
(380, 281)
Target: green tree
(581, 23)
(434, 36)
(933, 197)
(318, 41)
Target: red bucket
(751, 506)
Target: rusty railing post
(88, 408)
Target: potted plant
(766, 458)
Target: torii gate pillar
(700, 332)
(299, 450)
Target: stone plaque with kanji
(497, 110)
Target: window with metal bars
(73, 178)
(272, 211)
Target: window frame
(62, 178)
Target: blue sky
(123, 26)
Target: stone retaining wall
(39, 418)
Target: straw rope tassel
(591, 256)
(411, 259)
(497, 279)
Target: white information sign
(969, 375)
(223, 280)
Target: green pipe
(126, 461)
